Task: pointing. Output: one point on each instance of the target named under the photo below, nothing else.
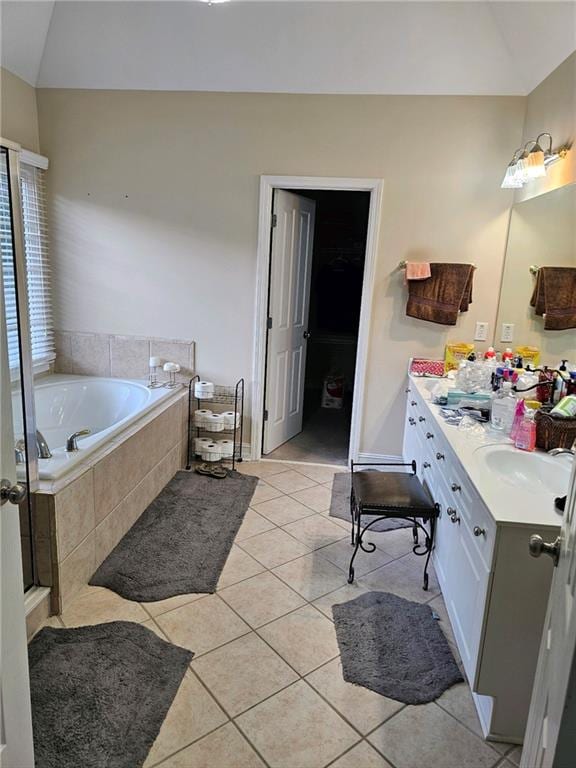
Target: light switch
(507, 332)
(481, 332)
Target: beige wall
(18, 112)
(155, 200)
(551, 107)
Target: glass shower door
(18, 377)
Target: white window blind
(35, 232)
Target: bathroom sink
(534, 472)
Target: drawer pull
(407, 390)
(440, 456)
(421, 418)
(411, 421)
(455, 487)
(453, 515)
(477, 531)
(426, 465)
(413, 402)
(429, 435)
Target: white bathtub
(67, 404)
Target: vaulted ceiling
(477, 48)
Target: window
(33, 201)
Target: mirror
(542, 233)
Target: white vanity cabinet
(495, 593)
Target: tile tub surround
(84, 516)
(122, 357)
(251, 699)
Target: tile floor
(265, 687)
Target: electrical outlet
(481, 332)
(507, 332)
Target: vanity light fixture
(531, 162)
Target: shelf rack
(231, 396)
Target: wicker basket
(554, 432)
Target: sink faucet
(44, 451)
(560, 451)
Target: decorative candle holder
(171, 369)
(154, 363)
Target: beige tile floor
(265, 687)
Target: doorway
(317, 242)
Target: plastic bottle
(518, 418)
(526, 437)
(503, 409)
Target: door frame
(295, 183)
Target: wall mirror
(542, 233)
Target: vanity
(492, 498)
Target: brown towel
(554, 297)
(440, 298)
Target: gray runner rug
(100, 694)
(395, 647)
(181, 541)
(340, 505)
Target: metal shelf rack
(231, 396)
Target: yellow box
(530, 356)
(454, 353)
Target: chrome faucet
(560, 451)
(44, 451)
(71, 443)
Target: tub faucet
(71, 443)
(44, 451)
(560, 451)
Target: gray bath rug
(395, 647)
(340, 505)
(181, 541)
(100, 694)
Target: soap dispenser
(526, 437)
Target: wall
(18, 112)
(551, 107)
(154, 200)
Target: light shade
(511, 180)
(534, 163)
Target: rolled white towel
(201, 416)
(231, 419)
(227, 447)
(214, 423)
(204, 390)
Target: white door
(550, 731)
(16, 745)
(289, 304)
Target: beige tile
(54, 622)
(283, 510)
(361, 756)
(239, 566)
(243, 673)
(129, 357)
(181, 352)
(261, 599)
(90, 354)
(297, 729)
(262, 468)
(224, 748)
(305, 638)
(109, 532)
(426, 735)
(38, 617)
(153, 627)
(458, 701)
(403, 577)
(252, 525)
(515, 755)
(76, 570)
(342, 595)
(341, 552)
(63, 347)
(193, 714)
(290, 481)
(315, 531)
(397, 542)
(274, 547)
(163, 606)
(95, 605)
(74, 512)
(265, 492)
(317, 498)
(364, 709)
(320, 474)
(202, 625)
(311, 576)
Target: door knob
(538, 546)
(12, 493)
(306, 334)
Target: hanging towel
(439, 299)
(554, 297)
(417, 270)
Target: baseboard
(378, 457)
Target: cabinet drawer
(473, 513)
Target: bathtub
(67, 404)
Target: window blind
(33, 199)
